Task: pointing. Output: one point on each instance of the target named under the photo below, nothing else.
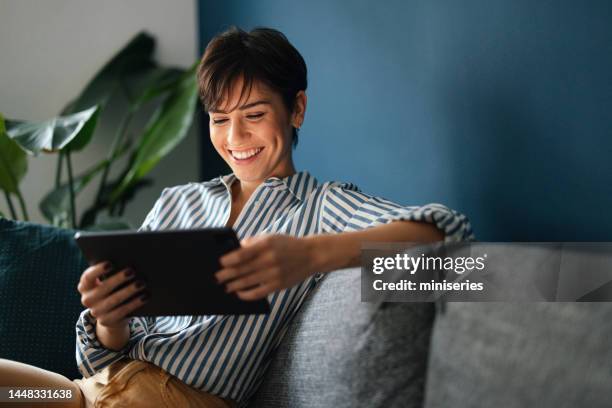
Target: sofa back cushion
(39, 270)
(340, 352)
(521, 355)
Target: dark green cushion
(39, 271)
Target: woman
(293, 229)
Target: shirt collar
(300, 184)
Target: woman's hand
(265, 264)
(105, 304)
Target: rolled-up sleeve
(346, 208)
(91, 356)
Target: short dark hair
(263, 54)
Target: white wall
(48, 52)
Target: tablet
(178, 267)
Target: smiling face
(255, 137)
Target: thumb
(249, 241)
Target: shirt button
(256, 203)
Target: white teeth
(246, 153)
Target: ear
(299, 111)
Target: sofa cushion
(39, 271)
(340, 352)
(521, 355)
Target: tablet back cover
(178, 267)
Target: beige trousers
(125, 383)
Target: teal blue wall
(499, 109)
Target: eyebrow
(247, 106)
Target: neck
(242, 190)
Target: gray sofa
(340, 352)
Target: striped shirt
(228, 355)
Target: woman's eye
(255, 116)
(219, 121)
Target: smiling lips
(245, 155)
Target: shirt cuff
(91, 338)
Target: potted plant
(133, 74)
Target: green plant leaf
(53, 134)
(135, 56)
(56, 204)
(129, 194)
(148, 84)
(84, 136)
(167, 127)
(13, 162)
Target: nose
(236, 133)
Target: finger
(95, 295)
(121, 312)
(250, 280)
(248, 241)
(117, 298)
(244, 253)
(109, 284)
(89, 276)
(252, 240)
(263, 261)
(258, 292)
